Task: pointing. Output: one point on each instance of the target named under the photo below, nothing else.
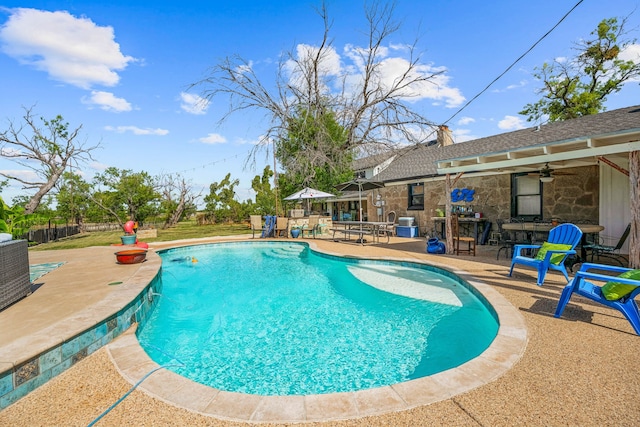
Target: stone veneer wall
(573, 198)
(570, 198)
(19, 381)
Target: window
(526, 196)
(416, 197)
(361, 174)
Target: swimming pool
(351, 324)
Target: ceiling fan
(546, 174)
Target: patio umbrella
(308, 193)
(360, 185)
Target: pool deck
(577, 370)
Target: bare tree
(177, 197)
(47, 150)
(372, 107)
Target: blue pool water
(275, 318)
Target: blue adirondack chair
(579, 285)
(552, 258)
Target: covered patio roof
(558, 154)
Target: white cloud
(402, 47)
(24, 174)
(98, 166)
(9, 152)
(213, 138)
(466, 120)
(631, 53)
(137, 131)
(260, 140)
(462, 135)
(243, 141)
(520, 84)
(511, 123)
(245, 68)
(437, 86)
(193, 104)
(71, 50)
(329, 64)
(107, 101)
(351, 66)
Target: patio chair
(312, 227)
(256, 224)
(457, 238)
(389, 228)
(551, 254)
(612, 252)
(540, 231)
(282, 226)
(510, 239)
(619, 292)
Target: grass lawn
(184, 230)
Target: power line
(193, 169)
(205, 165)
(514, 63)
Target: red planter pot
(131, 256)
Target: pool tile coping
(505, 351)
(33, 360)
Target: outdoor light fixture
(546, 178)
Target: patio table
(476, 222)
(360, 229)
(530, 227)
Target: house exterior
(345, 206)
(584, 161)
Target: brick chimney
(444, 136)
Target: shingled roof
(422, 160)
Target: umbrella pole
(360, 208)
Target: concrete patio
(577, 370)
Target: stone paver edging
(507, 348)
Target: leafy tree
(47, 150)
(579, 86)
(314, 153)
(105, 207)
(221, 203)
(44, 208)
(126, 191)
(73, 198)
(265, 195)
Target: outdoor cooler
(407, 221)
(407, 227)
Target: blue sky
(122, 69)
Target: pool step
(286, 251)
